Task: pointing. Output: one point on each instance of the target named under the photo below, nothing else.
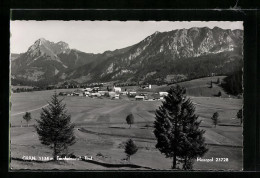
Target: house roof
(141, 97)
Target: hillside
(162, 57)
(197, 87)
(168, 53)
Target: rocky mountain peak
(45, 47)
(42, 39)
(63, 44)
(155, 33)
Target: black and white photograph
(126, 95)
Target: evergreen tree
(27, 117)
(214, 118)
(130, 119)
(177, 129)
(239, 116)
(130, 148)
(55, 128)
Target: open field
(101, 131)
(196, 87)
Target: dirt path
(115, 108)
(29, 110)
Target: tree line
(233, 83)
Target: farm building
(116, 96)
(139, 98)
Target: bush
(214, 118)
(130, 119)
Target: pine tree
(239, 116)
(130, 119)
(214, 118)
(130, 148)
(177, 129)
(55, 128)
(27, 117)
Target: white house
(163, 94)
(116, 96)
(117, 89)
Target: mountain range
(161, 57)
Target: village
(142, 93)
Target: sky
(98, 36)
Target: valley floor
(101, 131)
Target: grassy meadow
(101, 129)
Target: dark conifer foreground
(54, 127)
(177, 129)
